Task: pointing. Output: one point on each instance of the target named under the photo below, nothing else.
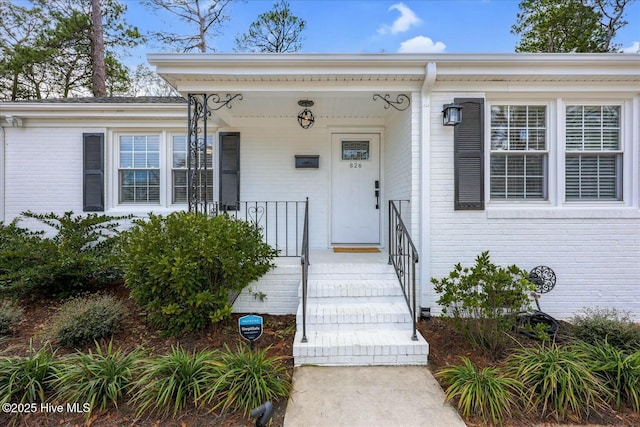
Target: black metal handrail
(304, 260)
(280, 221)
(404, 257)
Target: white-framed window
(139, 169)
(593, 153)
(179, 171)
(519, 153)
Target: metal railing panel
(404, 257)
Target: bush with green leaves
(558, 381)
(485, 393)
(83, 320)
(27, 379)
(182, 268)
(96, 378)
(602, 324)
(247, 378)
(10, 314)
(174, 380)
(81, 255)
(484, 301)
(619, 370)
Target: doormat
(357, 250)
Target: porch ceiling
(285, 105)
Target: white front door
(354, 185)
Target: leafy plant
(10, 314)
(484, 301)
(174, 380)
(247, 378)
(619, 370)
(183, 268)
(485, 393)
(600, 324)
(27, 379)
(96, 378)
(79, 256)
(83, 320)
(557, 381)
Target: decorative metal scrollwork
(200, 106)
(255, 214)
(543, 277)
(401, 103)
(216, 102)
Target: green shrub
(597, 325)
(247, 378)
(10, 314)
(27, 379)
(182, 268)
(620, 372)
(173, 380)
(96, 378)
(80, 256)
(484, 301)
(81, 321)
(558, 381)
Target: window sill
(563, 212)
(143, 210)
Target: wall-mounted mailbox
(307, 162)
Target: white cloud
(406, 20)
(421, 44)
(634, 48)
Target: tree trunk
(97, 51)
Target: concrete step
(356, 315)
(362, 347)
(361, 315)
(342, 288)
(362, 269)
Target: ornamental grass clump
(96, 379)
(183, 268)
(558, 381)
(27, 379)
(171, 382)
(248, 378)
(619, 370)
(81, 321)
(485, 393)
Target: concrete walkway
(368, 396)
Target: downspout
(425, 190)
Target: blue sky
(374, 26)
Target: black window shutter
(93, 172)
(229, 168)
(469, 155)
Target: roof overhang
(342, 85)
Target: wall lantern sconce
(451, 114)
(305, 116)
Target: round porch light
(305, 116)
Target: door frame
(356, 132)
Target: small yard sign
(250, 327)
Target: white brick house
(544, 168)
